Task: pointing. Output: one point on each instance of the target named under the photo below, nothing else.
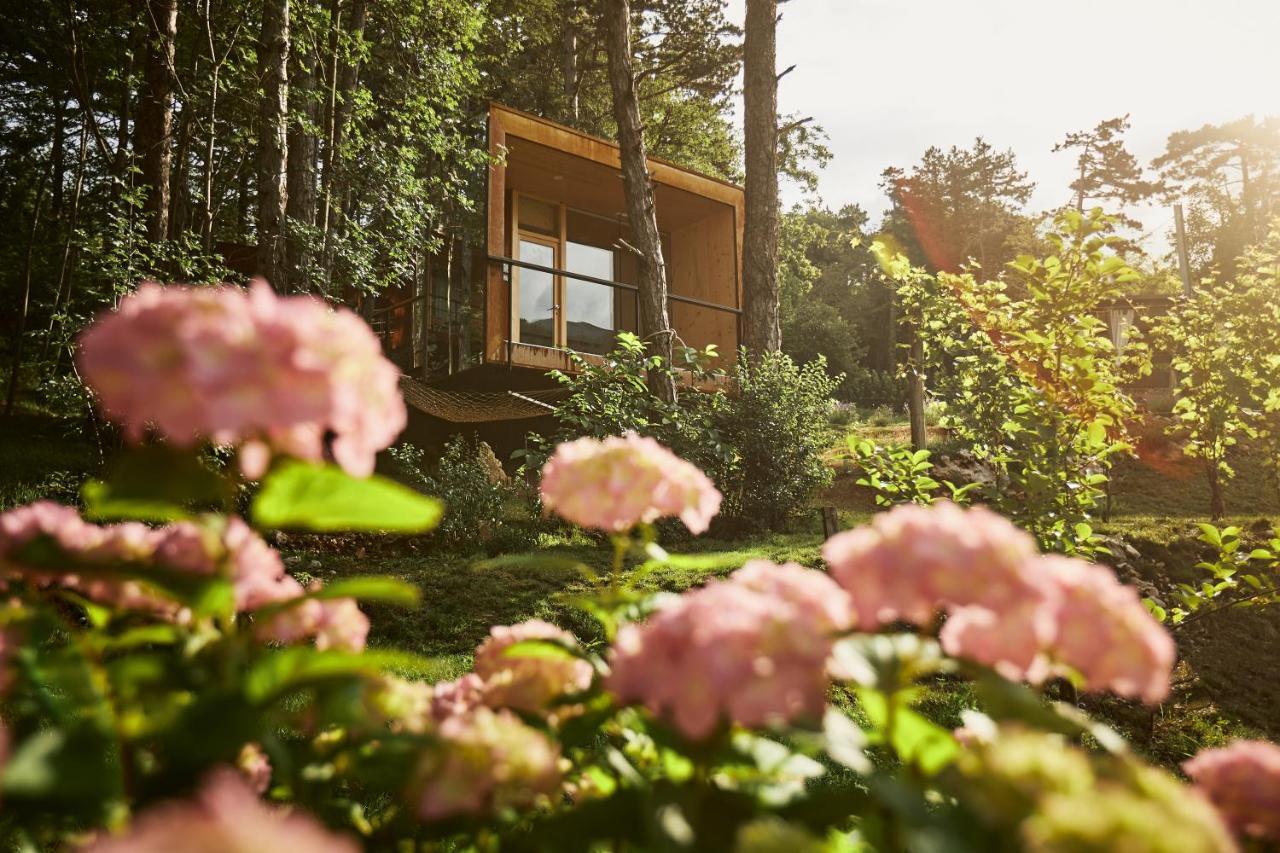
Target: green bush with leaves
(759, 432)
(1238, 577)
(1030, 380)
(1226, 356)
(902, 475)
(484, 508)
(775, 421)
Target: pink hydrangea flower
(83, 544)
(225, 817)
(402, 704)
(486, 761)
(254, 567)
(620, 482)
(1102, 631)
(336, 623)
(245, 367)
(752, 649)
(1010, 641)
(1243, 781)
(528, 683)
(1025, 615)
(911, 560)
(458, 697)
(254, 765)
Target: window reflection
(537, 295)
(589, 307)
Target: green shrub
(761, 443)
(483, 507)
(869, 389)
(776, 424)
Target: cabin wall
(702, 263)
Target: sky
(888, 78)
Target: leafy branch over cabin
(558, 273)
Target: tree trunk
(211, 119)
(20, 330)
(1217, 506)
(273, 114)
(62, 291)
(569, 62)
(342, 96)
(762, 331)
(915, 393)
(179, 175)
(655, 325)
(301, 206)
(59, 158)
(154, 123)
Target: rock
(489, 460)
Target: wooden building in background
(556, 273)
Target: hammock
(469, 407)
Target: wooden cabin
(556, 274)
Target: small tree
(1228, 365)
(1033, 384)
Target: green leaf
(915, 739)
(383, 588)
(326, 498)
(539, 649)
(156, 483)
(294, 667)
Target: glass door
(537, 302)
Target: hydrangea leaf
(327, 499)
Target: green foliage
(775, 421)
(482, 506)
(760, 439)
(1238, 577)
(326, 498)
(1033, 385)
(1227, 362)
(902, 475)
(873, 389)
(960, 206)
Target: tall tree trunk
(346, 76)
(762, 331)
(20, 330)
(301, 206)
(62, 291)
(211, 120)
(569, 61)
(655, 325)
(273, 151)
(179, 185)
(59, 157)
(154, 124)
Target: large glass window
(537, 295)
(589, 314)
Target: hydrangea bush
(167, 685)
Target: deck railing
(508, 263)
